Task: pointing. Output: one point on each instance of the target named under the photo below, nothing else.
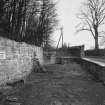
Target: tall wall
(16, 59)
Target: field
(66, 84)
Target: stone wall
(72, 51)
(96, 68)
(16, 59)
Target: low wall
(49, 57)
(97, 70)
(16, 59)
(62, 60)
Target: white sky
(67, 10)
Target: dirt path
(65, 85)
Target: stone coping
(95, 61)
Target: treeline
(30, 21)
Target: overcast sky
(67, 10)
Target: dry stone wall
(16, 59)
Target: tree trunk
(96, 38)
(96, 43)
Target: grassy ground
(66, 84)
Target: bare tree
(13, 14)
(92, 17)
(47, 22)
(42, 21)
(32, 21)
